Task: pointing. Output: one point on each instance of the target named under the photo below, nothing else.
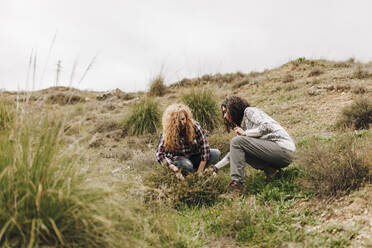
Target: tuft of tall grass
(157, 87)
(358, 115)
(203, 105)
(43, 200)
(144, 118)
(335, 166)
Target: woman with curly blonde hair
(183, 144)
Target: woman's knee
(237, 141)
(184, 164)
(214, 156)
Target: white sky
(136, 40)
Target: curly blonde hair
(171, 126)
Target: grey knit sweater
(257, 123)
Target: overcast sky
(136, 40)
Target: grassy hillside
(102, 186)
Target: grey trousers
(192, 163)
(258, 153)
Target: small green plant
(204, 108)
(301, 60)
(357, 116)
(333, 167)
(157, 87)
(163, 185)
(144, 118)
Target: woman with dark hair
(260, 141)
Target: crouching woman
(183, 145)
(261, 141)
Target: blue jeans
(192, 163)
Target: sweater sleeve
(254, 132)
(223, 162)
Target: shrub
(157, 87)
(163, 185)
(44, 201)
(315, 72)
(65, 98)
(288, 78)
(333, 167)
(204, 108)
(241, 83)
(358, 115)
(360, 89)
(144, 118)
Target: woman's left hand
(239, 131)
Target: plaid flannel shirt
(185, 150)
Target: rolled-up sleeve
(161, 154)
(203, 143)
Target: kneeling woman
(183, 145)
(260, 141)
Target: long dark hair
(235, 106)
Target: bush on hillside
(334, 167)
(288, 78)
(204, 108)
(163, 185)
(144, 118)
(358, 115)
(65, 98)
(315, 72)
(157, 87)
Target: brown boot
(235, 187)
(271, 172)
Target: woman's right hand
(177, 171)
(173, 167)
